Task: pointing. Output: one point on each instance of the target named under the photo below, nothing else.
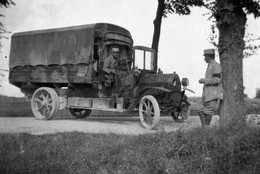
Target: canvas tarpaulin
(56, 46)
(70, 45)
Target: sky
(182, 40)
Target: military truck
(63, 68)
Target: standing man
(212, 89)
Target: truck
(63, 68)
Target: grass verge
(197, 151)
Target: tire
(80, 113)
(182, 115)
(149, 112)
(45, 103)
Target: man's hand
(202, 81)
(113, 71)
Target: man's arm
(216, 76)
(107, 65)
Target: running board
(102, 104)
(99, 109)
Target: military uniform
(212, 92)
(109, 64)
(114, 74)
(109, 67)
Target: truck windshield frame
(144, 58)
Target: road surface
(118, 125)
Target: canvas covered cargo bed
(60, 55)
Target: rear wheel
(80, 113)
(45, 103)
(181, 115)
(149, 112)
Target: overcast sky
(182, 41)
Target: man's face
(115, 55)
(207, 58)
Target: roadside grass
(252, 105)
(215, 150)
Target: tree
(157, 28)
(6, 4)
(231, 17)
(180, 7)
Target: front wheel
(80, 113)
(45, 103)
(181, 115)
(149, 112)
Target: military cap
(115, 50)
(209, 52)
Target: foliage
(5, 4)
(218, 7)
(197, 151)
(257, 93)
(181, 7)
(251, 42)
(251, 48)
(252, 106)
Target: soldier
(111, 61)
(212, 89)
(118, 75)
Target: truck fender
(162, 89)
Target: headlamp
(185, 82)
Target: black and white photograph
(130, 86)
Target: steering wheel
(124, 62)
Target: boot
(202, 119)
(208, 119)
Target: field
(20, 107)
(14, 107)
(214, 150)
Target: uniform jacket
(109, 63)
(213, 87)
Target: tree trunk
(157, 29)
(231, 25)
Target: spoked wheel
(149, 112)
(45, 103)
(181, 115)
(80, 113)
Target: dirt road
(119, 125)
